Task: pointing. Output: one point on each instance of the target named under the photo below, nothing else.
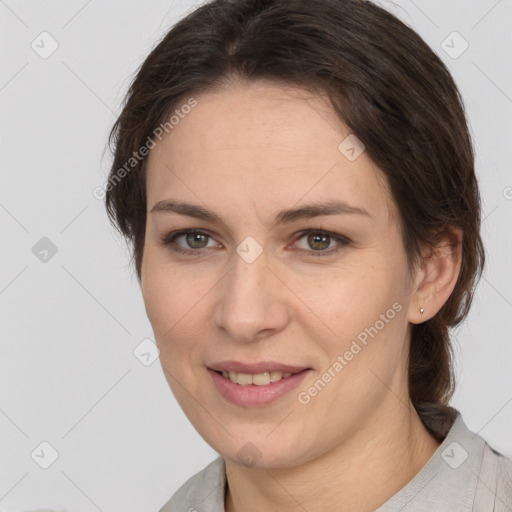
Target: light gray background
(68, 375)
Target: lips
(254, 368)
(257, 395)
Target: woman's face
(256, 285)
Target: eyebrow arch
(283, 217)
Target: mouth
(259, 367)
(256, 379)
(256, 389)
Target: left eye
(320, 241)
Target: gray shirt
(464, 475)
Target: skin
(248, 151)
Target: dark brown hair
(384, 82)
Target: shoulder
(494, 482)
(203, 491)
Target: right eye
(193, 238)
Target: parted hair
(388, 87)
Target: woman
(297, 180)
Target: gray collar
(448, 480)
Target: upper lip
(260, 367)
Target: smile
(258, 379)
(255, 389)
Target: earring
(422, 311)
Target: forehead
(264, 145)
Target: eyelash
(169, 241)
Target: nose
(251, 301)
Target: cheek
(165, 292)
(176, 307)
(352, 298)
(364, 314)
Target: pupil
(195, 237)
(314, 240)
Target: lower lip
(252, 394)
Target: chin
(261, 453)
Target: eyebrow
(287, 216)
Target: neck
(360, 474)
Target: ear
(437, 276)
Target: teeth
(258, 379)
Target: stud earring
(422, 311)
